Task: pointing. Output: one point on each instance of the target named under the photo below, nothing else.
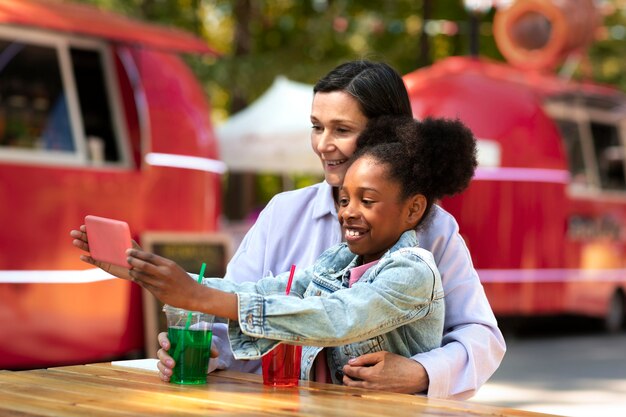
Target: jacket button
(249, 320)
(339, 376)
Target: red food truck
(98, 115)
(545, 215)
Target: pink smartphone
(108, 240)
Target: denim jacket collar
(337, 263)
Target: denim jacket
(396, 305)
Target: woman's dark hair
(435, 157)
(376, 86)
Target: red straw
(293, 270)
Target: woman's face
(337, 122)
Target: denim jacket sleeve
(264, 287)
(398, 290)
(272, 288)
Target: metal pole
(474, 22)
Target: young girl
(376, 291)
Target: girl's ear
(417, 207)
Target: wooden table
(107, 390)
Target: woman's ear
(417, 207)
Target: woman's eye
(316, 128)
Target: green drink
(191, 349)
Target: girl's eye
(367, 202)
(343, 202)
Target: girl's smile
(353, 235)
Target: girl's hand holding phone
(81, 241)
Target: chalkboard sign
(189, 250)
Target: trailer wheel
(616, 314)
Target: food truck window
(33, 107)
(94, 105)
(59, 101)
(571, 135)
(610, 156)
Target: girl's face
(337, 122)
(371, 213)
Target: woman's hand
(386, 371)
(166, 362)
(82, 242)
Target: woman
(297, 226)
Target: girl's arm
(168, 282)
(172, 285)
(402, 292)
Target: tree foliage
(303, 39)
(299, 39)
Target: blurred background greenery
(304, 39)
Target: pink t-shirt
(358, 271)
(321, 367)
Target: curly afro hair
(435, 157)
